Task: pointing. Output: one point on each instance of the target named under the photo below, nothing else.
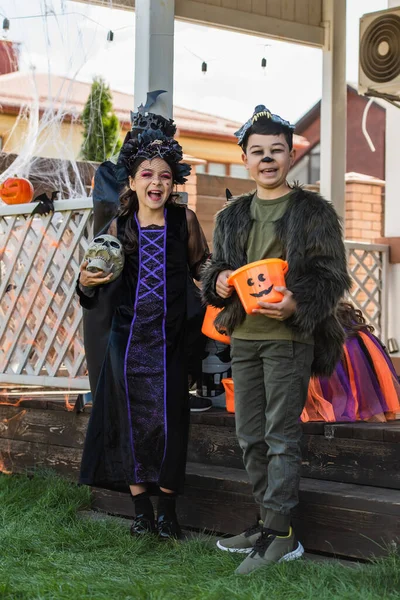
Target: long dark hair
(352, 319)
(129, 206)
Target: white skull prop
(105, 253)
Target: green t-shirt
(263, 243)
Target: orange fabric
(352, 380)
(317, 408)
(389, 386)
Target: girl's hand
(278, 310)
(89, 279)
(221, 287)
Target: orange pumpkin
(16, 190)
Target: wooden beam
(333, 105)
(154, 55)
(238, 20)
(246, 22)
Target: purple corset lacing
(145, 359)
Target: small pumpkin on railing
(16, 190)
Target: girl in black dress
(138, 429)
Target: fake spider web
(48, 126)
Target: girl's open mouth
(155, 195)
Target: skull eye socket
(114, 244)
(250, 282)
(261, 277)
(99, 240)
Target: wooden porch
(349, 496)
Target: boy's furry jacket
(311, 235)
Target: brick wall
(364, 208)
(365, 197)
(210, 198)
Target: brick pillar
(364, 208)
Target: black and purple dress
(138, 428)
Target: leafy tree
(101, 126)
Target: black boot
(167, 522)
(144, 521)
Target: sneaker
(269, 549)
(198, 404)
(244, 542)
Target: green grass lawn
(48, 552)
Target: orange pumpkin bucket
(229, 394)
(256, 281)
(208, 327)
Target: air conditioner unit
(379, 61)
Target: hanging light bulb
(204, 67)
(110, 36)
(263, 62)
(6, 27)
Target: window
(200, 169)
(307, 170)
(216, 169)
(239, 171)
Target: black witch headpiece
(151, 136)
(260, 112)
(143, 120)
(148, 145)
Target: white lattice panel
(40, 316)
(368, 265)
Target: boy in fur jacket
(275, 350)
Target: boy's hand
(89, 279)
(279, 310)
(221, 287)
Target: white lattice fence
(368, 265)
(40, 327)
(41, 339)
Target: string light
(264, 61)
(204, 67)
(110, 36)
(6, 27)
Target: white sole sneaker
(235, 550)
(294, 555)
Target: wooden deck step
(335, 518)
(362, 453)
(45, 434)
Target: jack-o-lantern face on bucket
(256, 282)
(261, 282)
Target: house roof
(69, 97)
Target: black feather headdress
(151, 144)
